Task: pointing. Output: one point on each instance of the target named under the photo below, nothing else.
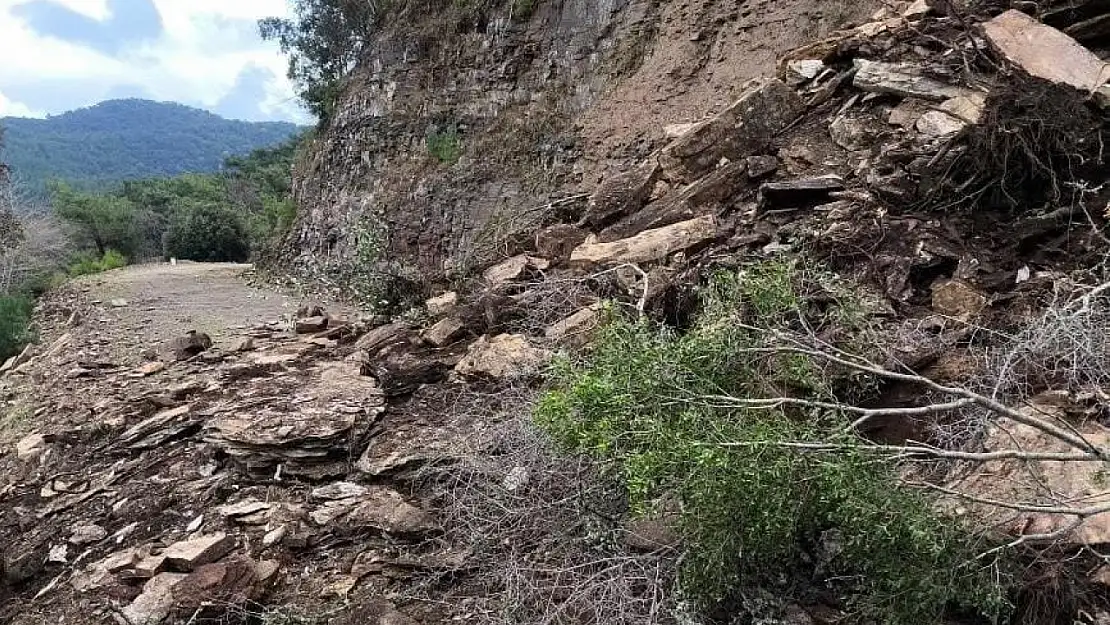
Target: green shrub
(15, 323)
(208, 233)
(445, 145)
(761, 515)
(88, 263)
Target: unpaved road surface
(147, 305)
(274, 477)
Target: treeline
(202, 217)
(117, 140)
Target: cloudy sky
(57, 55)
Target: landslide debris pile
(288, 473)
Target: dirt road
(146, 305)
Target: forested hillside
(122, 140)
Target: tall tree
(104, 221)
(323, 40)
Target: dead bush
(1037, 144)
(543, 531)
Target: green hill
(121, 140)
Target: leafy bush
(209, 233)
(87, 264)
(757, 514)
(15, 322)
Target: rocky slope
(541, 107)
(340, 469)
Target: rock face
(581, 80)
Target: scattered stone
(517, 480)
(189, 554)
(339, 490)
(59, 554)
(802, 71)
(743, 129)
(952, 116)
(401, 370)
(761, 166)
(87, 534)
(119, 303)
(558, 241)
(512, 269)
(19, 359)
(959, 299)
(907, 113)
(650, 534)
(1044, 52)
(622, 194)
(155, 603)
(577, 329)
(384, 336)
(650, 245)
(917, 10)
(851, 133)
(158, 429)
(445, 331)
(244, 509)
(504, 357)
(242, 344)
(150, 368)
(193, 343)
(902, 79)
(442, 304)
(275, 536)
(674, 131)
(30, 447)
(799, 193)
(312, 325)
(386, 510)
(100, 573)
(233, 582)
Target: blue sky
(57, 55)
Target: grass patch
(445, 145)
(15, 419)
(763, 516)
(87, 264)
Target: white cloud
(205, 45)
(16, 109)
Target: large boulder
(503, 357)
(743, 129)
(651, 245)
(622, 194)
(1044, 52)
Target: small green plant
(755, 513)
(523, 9)
(15, 323)
(445, 145)
(87, 264)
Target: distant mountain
(121, 140)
